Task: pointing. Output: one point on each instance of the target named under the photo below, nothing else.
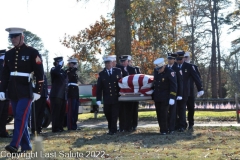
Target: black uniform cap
(2, 52)
(123, 58)
(172, 55)
(58, 59)
(180, 54)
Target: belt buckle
(15, 73)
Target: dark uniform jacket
(44, 93)
(179, 80)
(108, 86)
(124, 72)
(188, 71)
(21, 59)
(192, 94)
(165, 85)
(59, 83)
(73, 91)
(138, 70)
(1, 67)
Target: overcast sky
(50, 19)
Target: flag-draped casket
(136, 84)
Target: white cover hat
(159, 62)
(15, 30)
(74, 60)
(187, 54)
(107, 59)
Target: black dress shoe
(134, 128)
(120, 130)
(110, 133)
(11, 149)
(163, 133)
(181, 130)
(190, 127)
(171, 132)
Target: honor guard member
(188, 71)
(191, 97)
(134, 113)
(39, 109)
(73, 94)
(107, 87)
(58, 94)
(164, 94)
(3, 104)
(125, 119)
(19, 62)
(172, 109)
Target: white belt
(20, 74)
(73, 84)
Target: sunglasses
(14, 35)
(179, 59)
(186, 57)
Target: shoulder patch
(38, 60)
(173, 74)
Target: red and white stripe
(138, 83)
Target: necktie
(109, 73)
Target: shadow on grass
(149, 137)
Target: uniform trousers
(162, 115)
(3, 116)
(135, 115)
(40, 105)
(111, 112)
(121, 115)
(172, 115)
(58, 107)
(128, 110)
(191, 110)
(21, 111)
(181, 112)
(72, 114)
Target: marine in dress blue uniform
(164, 94)
(191, 98)
(172, 115)
(3, 104)
(188, 71)
(19, 62)
(107, 87)
(58, 94)
(73, 94)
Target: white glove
(35, 97)
(2, 96)
(179, 98)
(200, 93)
(61, 63)
(171, 101)
(98, 103)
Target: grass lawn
(146, 143)
(199, 115)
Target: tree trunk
(122, 28)
(219, 54)
(192, 38)
(213, 58)
(207, 82)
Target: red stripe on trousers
(22, 125)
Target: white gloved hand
(35, 97)
(179, 98)
(171, 101)
(200, 93)
(61, 63)
(2, 96)
(98, 103)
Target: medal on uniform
(162, 79)
(23, 58)
(185, 70)
(117, 76)
(27, 57)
